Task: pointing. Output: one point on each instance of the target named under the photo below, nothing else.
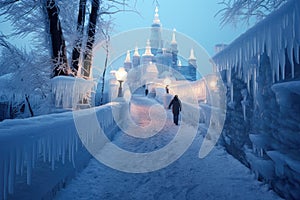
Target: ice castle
(162, 53)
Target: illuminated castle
(165, 56)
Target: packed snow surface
(217, 176)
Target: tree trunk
(29, 106)
(91, 39)
(59, 54)
(105, 66)
(80, 27)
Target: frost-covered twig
(246, 11)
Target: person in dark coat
(176, 108)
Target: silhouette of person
(176, 108)
(167, 89)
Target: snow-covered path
(217, 176)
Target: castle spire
(127, 60)
(192, 59)
(136, 59)
(156, 17)
(192, 55)
(148, 49)
(174, 37)
(136, 52)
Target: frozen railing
(52, 139)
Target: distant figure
(167, 89)
(176, 108)
(146, 92)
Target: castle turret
(147, 56)
(136, 59)
(192, 59)
(174, 48)
(127, 62)
(155, 38)
(191, 69)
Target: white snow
(217, 176)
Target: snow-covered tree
(53, 24)
(237, 11)
(62, 35)
(26, 82)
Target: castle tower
(192, 59)
(136, 59)
(127, 62)
(147, 56)
(191, 72)
(174, 48)
(155, 37)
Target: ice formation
(243, 54)
(49, 138)
(271, 48)
(71, 91)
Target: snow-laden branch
(236, 11)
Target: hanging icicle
(50, 146)
(261, 38)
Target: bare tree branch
(245, 11)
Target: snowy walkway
(218, 176)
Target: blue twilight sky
(194, 18)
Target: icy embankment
(28, 143)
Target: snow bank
(50, 138)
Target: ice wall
(278, 36)
(261, 69)
(51, 139)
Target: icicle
(53, 154)
(44, 143)
(291, 57)
(33, 154)
(254, 85)
(76, 142)
(5, 177)
(73, 161)
(70, 148)
(18, 160)
(63, 156)
(244, 102)
(277, 67)
(11, 175)
(296, 53)
(49, 148)
(231, 92)
(29, 165)
(22, 160)
(282, 63)
(248, 81)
